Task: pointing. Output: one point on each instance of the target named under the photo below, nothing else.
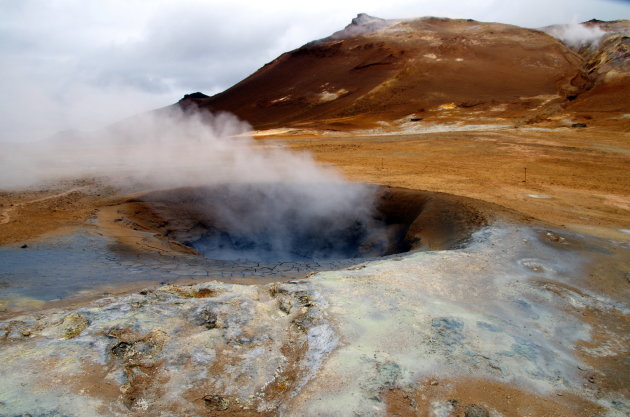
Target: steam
(166, 148)
(258, 200)
(576, 35)
(288, 222)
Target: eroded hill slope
(377, 70)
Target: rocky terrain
(501, 157)
(432, 69)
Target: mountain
(376, 71)
(607, 63)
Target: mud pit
(177, 236)
(270, 224)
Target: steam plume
(576, 35)
(261, 200)
(167, 148)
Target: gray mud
(84, 263)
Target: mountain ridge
(375, 71)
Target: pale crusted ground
(514, 311)
(530, 319)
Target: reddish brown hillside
(608, 64)
(377, 70)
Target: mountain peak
(364, 19)
(196, 95)
(378, 71)
(363, 24)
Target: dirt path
(25, 215)
(5, 215)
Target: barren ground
(577, 179)
(573, 178)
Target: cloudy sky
(84, 63)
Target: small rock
(434, 383)
(578, 125)
(474, 410)
(73, 324)
(24, 246)
(126, 387)
(207, 319)
(216, 402)
(121, 349)
(285, 304)
(554, 237)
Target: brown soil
(462, 394)
(15, 226)
(583, 171)
(128, 220)
(28, 214)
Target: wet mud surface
(93, 261)
(86, 263)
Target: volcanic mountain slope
(607, 62)
(382, 70)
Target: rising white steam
(259, 201)
(166, 148)
(576, 35)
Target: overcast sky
(84, 63)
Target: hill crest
(375, 71)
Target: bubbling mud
(273, 223)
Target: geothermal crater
(306, 223)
